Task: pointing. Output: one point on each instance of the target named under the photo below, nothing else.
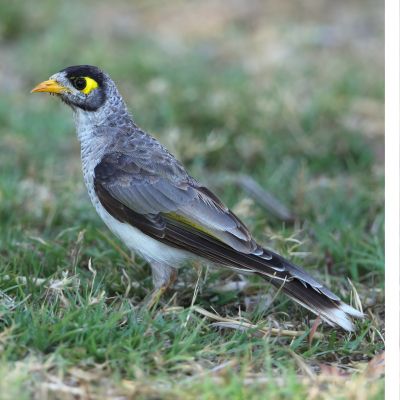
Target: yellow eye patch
(84, 83)
(90, 85)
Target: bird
(156, 208)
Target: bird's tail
(334, 312)
(292, 280)
(309, 293)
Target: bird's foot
(153, 298)
(163, 278)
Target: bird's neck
(114, 115)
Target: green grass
(307, 127)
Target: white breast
(147, 247)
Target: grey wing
(160, 186)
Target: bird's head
(82, 87)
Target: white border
(392, 168)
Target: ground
(290, 94)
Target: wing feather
(145, 192)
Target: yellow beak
(50, 86)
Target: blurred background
(290, 93)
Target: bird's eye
(79, 83)
(84, 83)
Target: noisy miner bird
(146, 198)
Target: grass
(296, 102)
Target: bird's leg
(163, 277)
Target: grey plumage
(147, 198)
